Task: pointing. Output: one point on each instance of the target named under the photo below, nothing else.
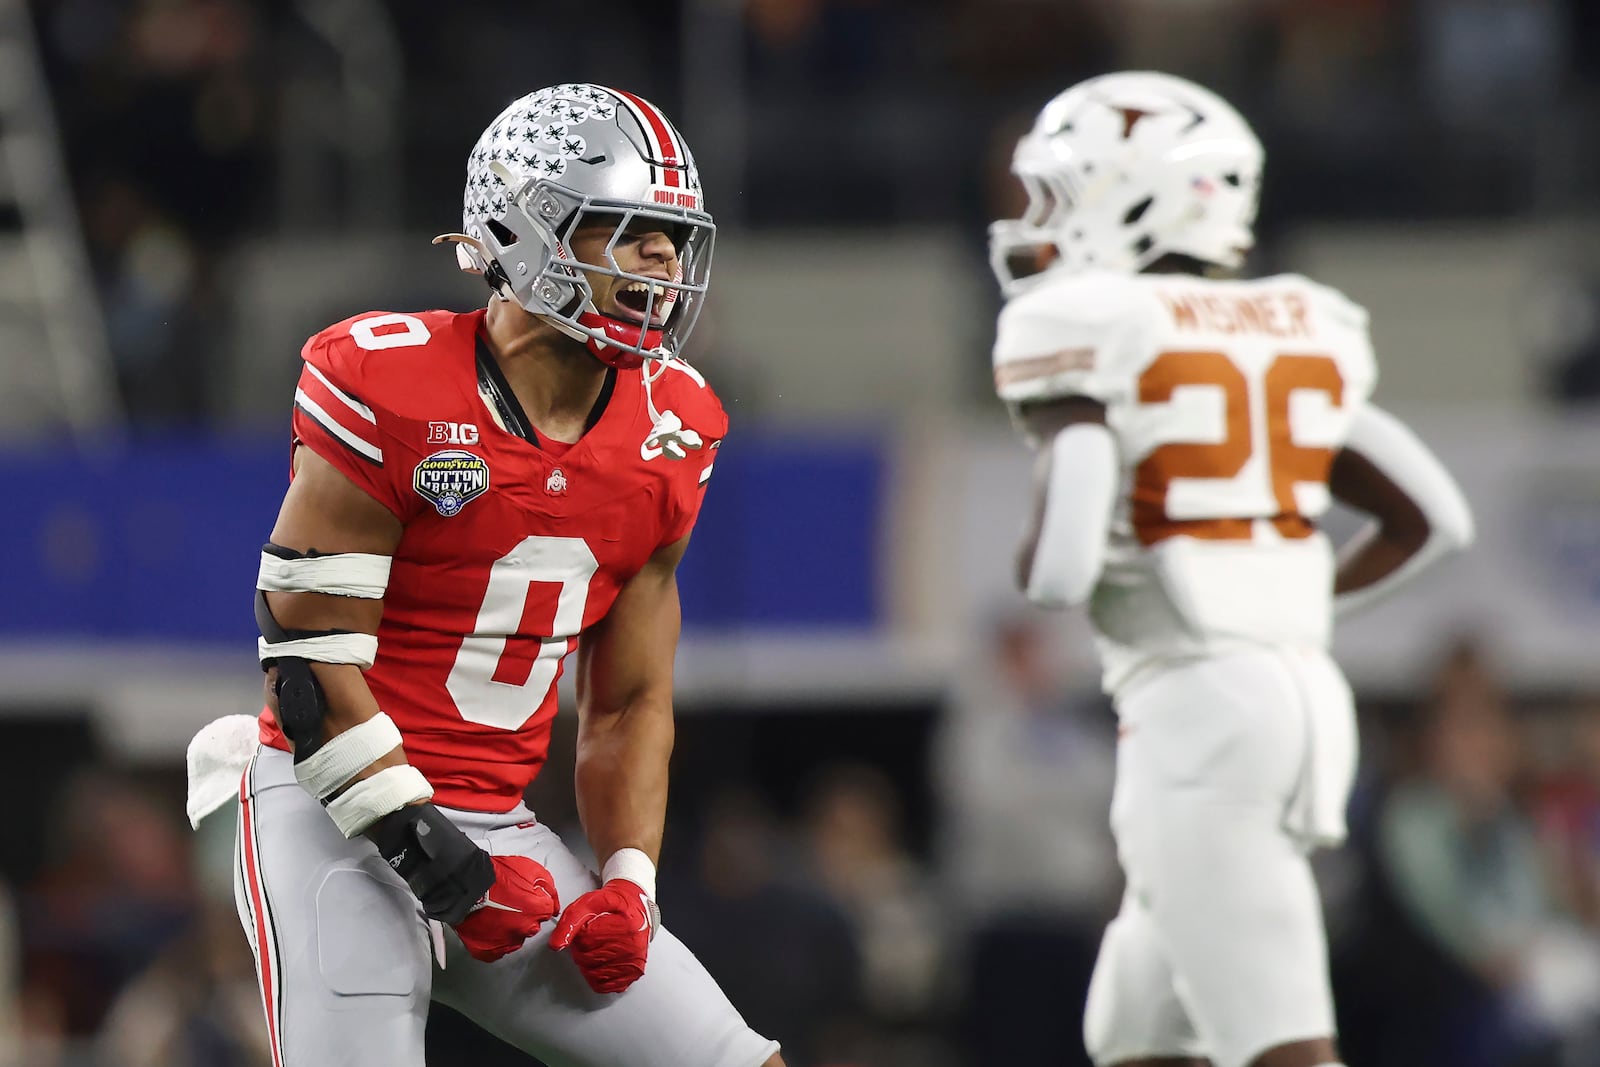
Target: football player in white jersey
(1191, 427)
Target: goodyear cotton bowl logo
(449, 480)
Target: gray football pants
(347, 966)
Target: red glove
(609, 931)
(523, 896)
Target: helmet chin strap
(638, 337)
(629, 337)
(622, 351)
(632, 334)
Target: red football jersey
(511, 547)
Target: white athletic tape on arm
(357, 574)
(1079, 497)
(1386, 443)
(370, 799)
(635, 866)
(360, 649)
(342, 755)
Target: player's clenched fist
(608, 931)
(522, 898)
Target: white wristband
(370, 799)
(633, 865)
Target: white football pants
(1230, 769)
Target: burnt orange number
(1290, 462)
(1287, 462)
(1224, 459)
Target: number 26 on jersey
(1285, 465)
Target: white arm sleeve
(1386, 443)
(1079, 494)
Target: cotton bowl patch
(449, 480)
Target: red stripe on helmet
(656, 123)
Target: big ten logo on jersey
(452, 433)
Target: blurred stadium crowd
(934, 897)
(952, 921)
(194, 124)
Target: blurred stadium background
(888, 830)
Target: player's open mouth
(630, 301)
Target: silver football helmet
(1125, 168)
(558, 158)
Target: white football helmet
(1125, 168)
(558, 157)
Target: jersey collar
(497, 392)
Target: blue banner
(160, 539)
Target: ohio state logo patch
(451, 480)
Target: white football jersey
(1228, 401)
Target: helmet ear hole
(1136, 212)
(502, 233)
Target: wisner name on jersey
(1271, 314)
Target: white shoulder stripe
(343, 397)
(322, 418)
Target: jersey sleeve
(1357, 363)
(1065, 338)
(333, 416)
(691, 476)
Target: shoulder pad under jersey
(1333, 304)
(1067, 335)
(682, 389)
(1345, 324)
(393, 361)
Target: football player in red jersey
(474, 497)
